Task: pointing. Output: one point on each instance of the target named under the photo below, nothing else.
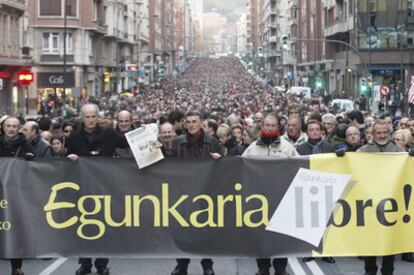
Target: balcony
(54, 58)
(273, 53)
(16, 4)
(99, 26)
(273, 39)
(340, 25)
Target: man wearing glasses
(195, 143)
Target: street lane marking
(53, 266)
(295, 265)
(314, 267)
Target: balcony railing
(273, 53)
(45, 58)
(17, 4)
(273, 39)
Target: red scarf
(270, 135)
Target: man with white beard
(382, 143)
(382, 140)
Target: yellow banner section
(375, 215)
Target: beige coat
(280, 148)
(301, 140)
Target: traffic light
(318, 83)
(161, 71)
(370, 82)
(25, 77)
(285, 39)
(107, 77)
(260, 52)
(363, 85)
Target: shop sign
(4, 75)
(55, 80)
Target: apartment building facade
(14, 57)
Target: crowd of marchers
(215, 109)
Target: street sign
(131, 67)
(1, 84)
(385, 90)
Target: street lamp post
(117, 69)
(64, 50)
(335, 41)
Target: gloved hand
(29, 156)
(340, 152)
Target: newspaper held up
(144, 145)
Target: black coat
(181, 144)
(102, 142)
(17, 148)
(305, 149)
(233, 148)
(41, 148)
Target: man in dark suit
(89, 141)
(195, 143)
(14, 144)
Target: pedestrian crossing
(222, 266)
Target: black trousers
(99, 262)
(279, 264)
(16, 263)
(205, 263)
(387, 265)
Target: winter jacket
(374, 147)
(181, 145)
(16, 148)
(301, 140)
(41, 148)
(279, 148)
(306, 149)
(102, 142)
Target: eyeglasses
(192, 121)
(67, 131)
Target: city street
(208, 128)
(64, 266)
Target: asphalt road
(222, 266)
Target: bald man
(167, 134)
(124, 122)
(123, 126)
(40, 147)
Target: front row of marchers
(93, 140)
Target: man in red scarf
(269, 143)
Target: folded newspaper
(145, 145)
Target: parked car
(300, 91)
(346, 105)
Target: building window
(50, 43)
(95, 10)
(90, 45)
(50, 7)
(69, 43)
(55, 7)
(71, 8)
